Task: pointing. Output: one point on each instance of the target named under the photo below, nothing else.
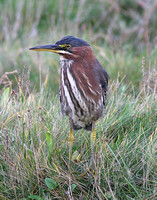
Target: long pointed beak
(52, 48)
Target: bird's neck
(62, 58)
(65, 63)
(82, 58)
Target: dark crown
(73, 41)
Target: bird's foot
(91, 171)
(76, 156)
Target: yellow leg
(71, 139)
(92, 162)
(93, 138)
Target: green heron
(83, 86)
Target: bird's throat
(62, 58)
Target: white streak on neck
(76, 91)
(65, 63)
(62, 58)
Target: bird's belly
(82, 117)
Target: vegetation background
(33, 135)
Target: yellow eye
(68, 46)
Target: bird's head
(68, 47)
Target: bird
(83, 86)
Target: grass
(34, 161)
(34, 148)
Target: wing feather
(103, 78)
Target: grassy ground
(34, 147)
(34, 161)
